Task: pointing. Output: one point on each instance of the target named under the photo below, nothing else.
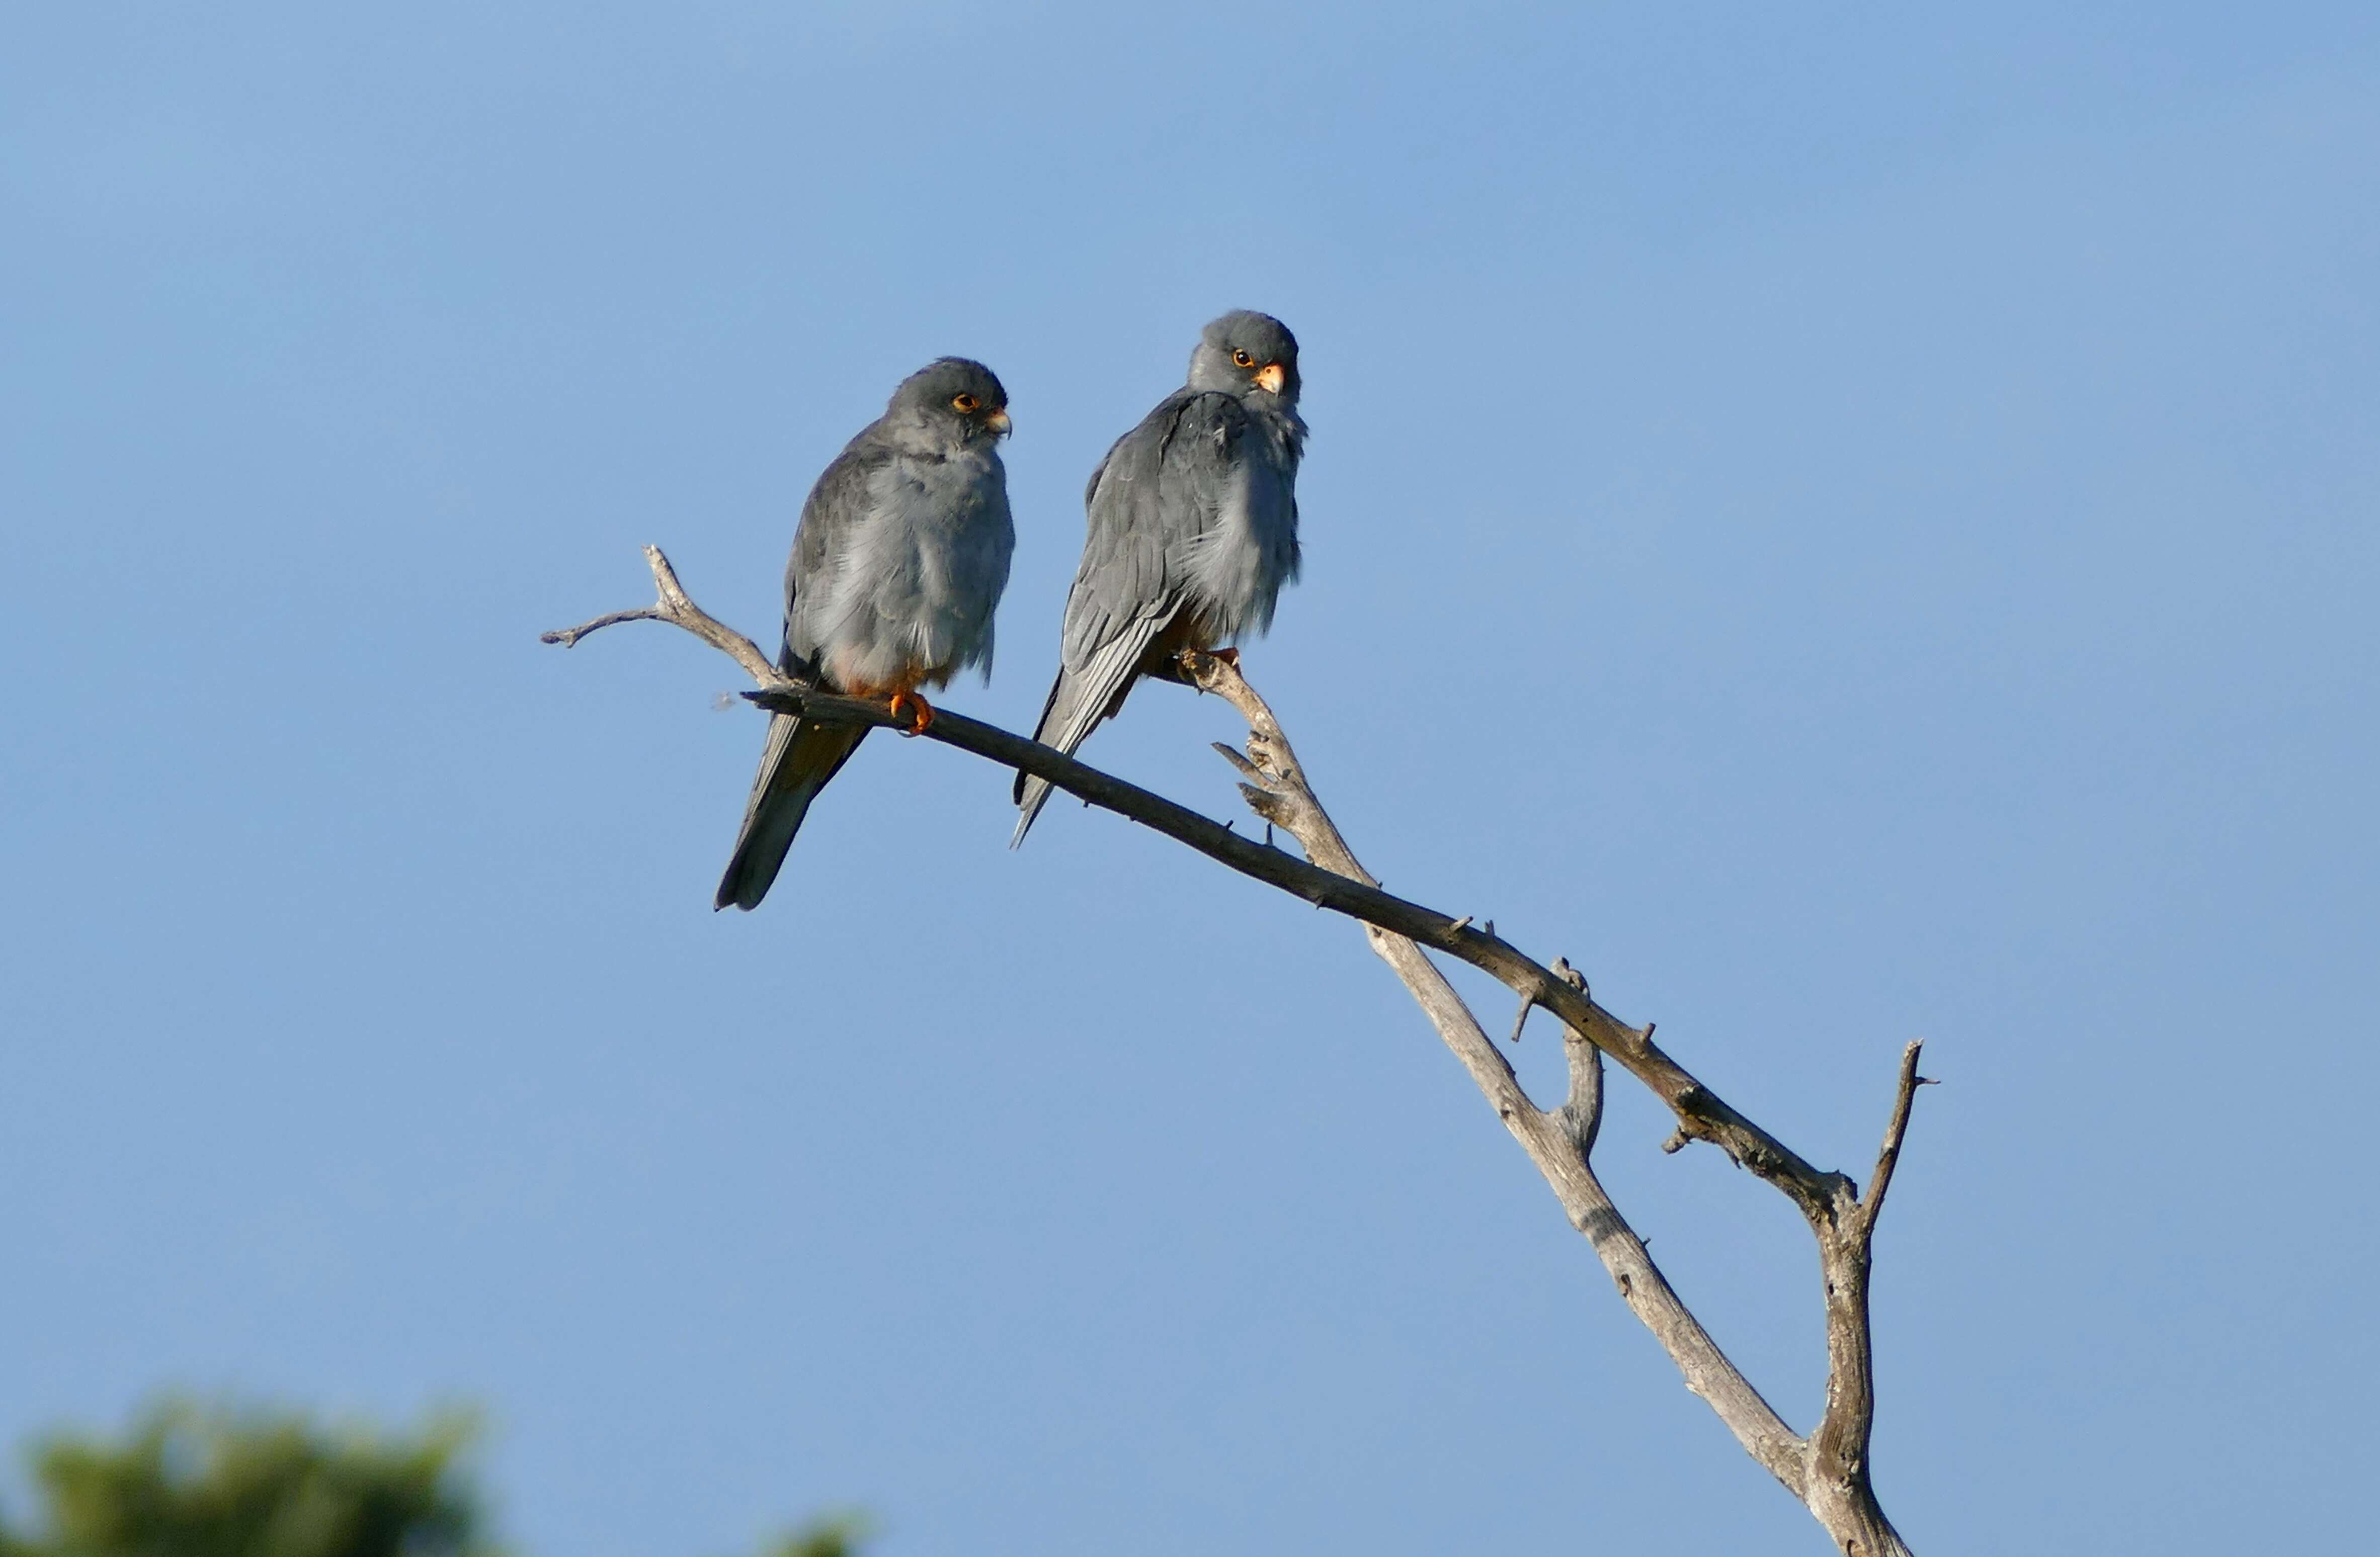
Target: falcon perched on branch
(1193, 532)
(898, 565)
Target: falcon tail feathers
(1083, 698)
(1034, 796)
(1026, 782)
(1032, 793)
(800, 760)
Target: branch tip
(1896, 1129)
(1231, 754)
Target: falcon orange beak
(1272, 375)
(998, 421)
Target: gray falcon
(1193, 532)
(898, 563)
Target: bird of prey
(898, 563)
(1193, 532)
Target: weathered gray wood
(1827, 1470)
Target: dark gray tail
(1080, 700)
(797, 763)
(1032, 793)
(1067, 720)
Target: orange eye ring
(963, 404)
(1241, 359)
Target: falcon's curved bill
(898, 563)
(1193, 532)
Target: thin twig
(1888, 1158)
(568, 637)
(674, 606)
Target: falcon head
(1246, 354)
(954, 400)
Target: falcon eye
(1242, 359)
(963, 404)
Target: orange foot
(921, 712)
(1230, 657)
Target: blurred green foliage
(196, 1481)
(192, 1480)
(838, 1537)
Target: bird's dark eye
(1242, 359)
(963, 404)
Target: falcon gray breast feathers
(1193, 531)
(898, 565)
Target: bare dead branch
(1701, 1113)
(1829, 1471)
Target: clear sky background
(1849, 524)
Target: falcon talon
(921, 719)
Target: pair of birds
(903, 551)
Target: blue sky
(1851, 525)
